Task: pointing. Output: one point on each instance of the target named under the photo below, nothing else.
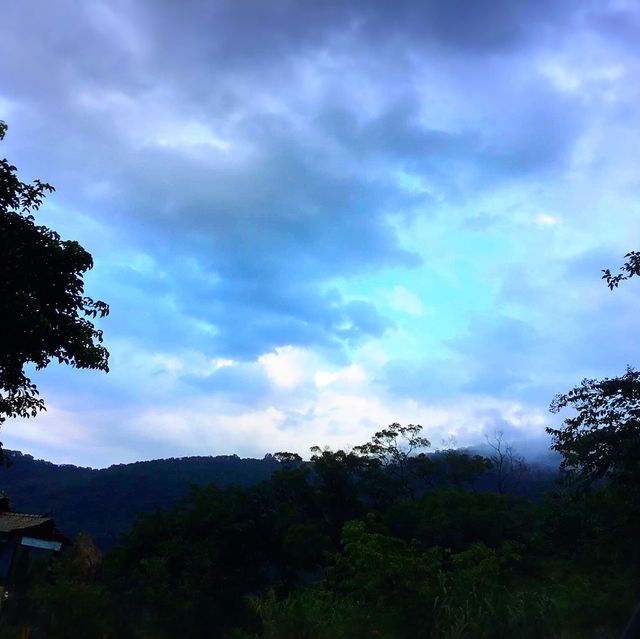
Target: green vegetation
(105, 502)
(348, 545)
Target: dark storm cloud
(196, 44)
(254, 32)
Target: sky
(314, 219)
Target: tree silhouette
(628, 270)
(602, 439)
(393, 448)
(509, 467)
(44, 313)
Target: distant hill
(104, 502)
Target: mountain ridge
(104, 502)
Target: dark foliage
(628, 270)
(340, 547)
(106, 502)
(44, 312)
(603, 438)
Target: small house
(22, 535)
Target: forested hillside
(105, 502)
(372, 542)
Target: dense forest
(373, 542)
(105, 502)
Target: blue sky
(315, 219)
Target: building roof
(10, 522)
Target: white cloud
(343, 409)
(188, 135)
(351, 375)
(7, 108)
(403, 300)
(333, 418)
(543, 219)
(288, 366)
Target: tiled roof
(18, 521)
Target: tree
(393, 448)
(287, 459)
(44, 313)
(464, 469)
(336, 475)
(508, 465)
(630, 268)
(602, 440)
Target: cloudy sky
(312, 219)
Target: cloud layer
(312, 219)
